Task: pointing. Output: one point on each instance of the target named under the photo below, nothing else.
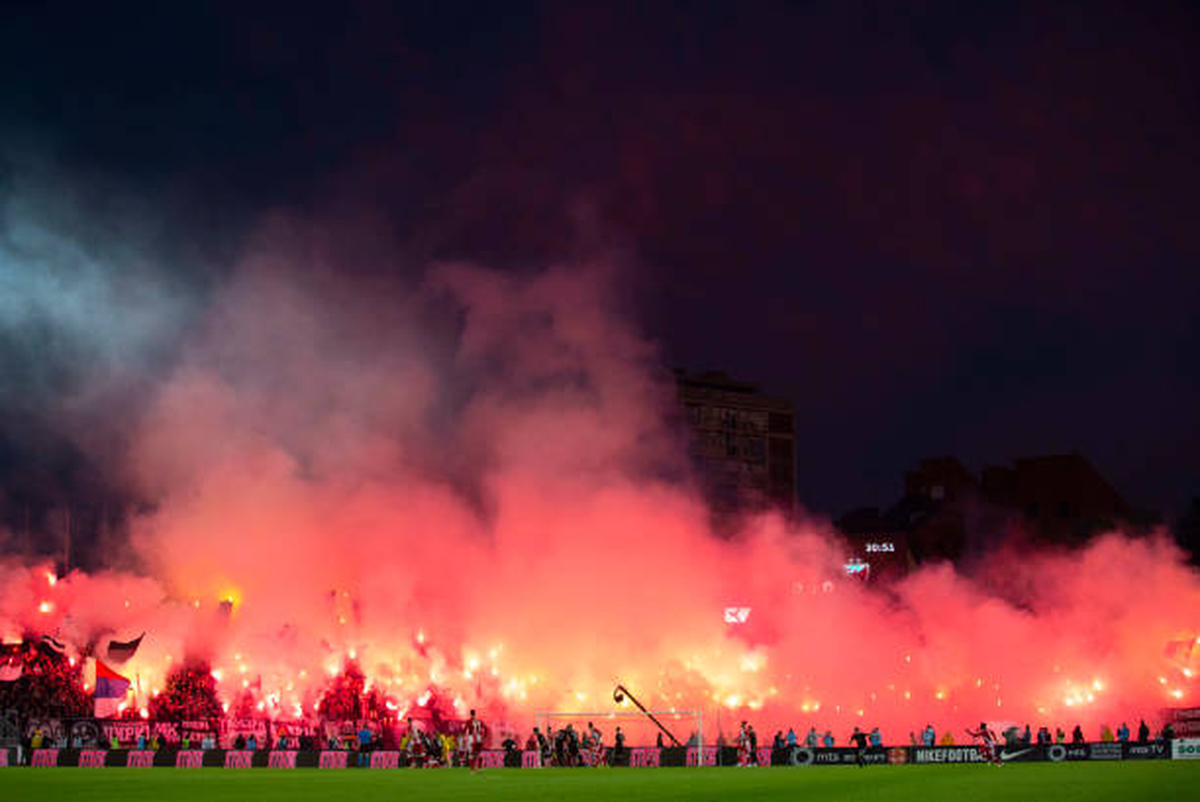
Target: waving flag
(54, 644)
(119, 652)
(111, 688)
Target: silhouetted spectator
(1077, 735)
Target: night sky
(937, 228)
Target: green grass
(1162, 781)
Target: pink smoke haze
(472, 484)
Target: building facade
(741, 442)
(946, 512)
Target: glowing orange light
(45, 607)
(51, 578)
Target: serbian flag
(111, 688)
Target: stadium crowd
(50, 686)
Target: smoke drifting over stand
(468, 482)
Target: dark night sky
(936, 227)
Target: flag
(111, 689)
(119, 652)
(54, 644)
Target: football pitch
(1164, 781)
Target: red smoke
(471, 484)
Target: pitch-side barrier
(637, 757)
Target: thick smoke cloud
(95, 295)
(469, 481)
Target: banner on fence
(282, 759)
(139, 759)
(1153, 750)
(232, 728)
(92, 758)
(169, 732)
(1185, 749)
(45, 758)
(189, 759)
(335, 759)
(238, 759)
(492, 758)
(645, 757)
(385, 760)
(52, 729)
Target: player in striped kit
(988, 749)
(743, 746)
(474, 733)
(596, 756)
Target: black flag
(119, 652)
